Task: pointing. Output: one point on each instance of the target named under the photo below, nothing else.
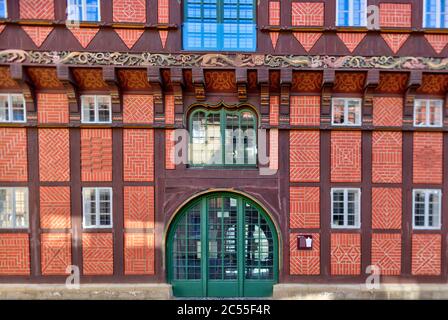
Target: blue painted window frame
(351, 13)
(219, 25)
(3, 9)
(435, 13)
(84, 10)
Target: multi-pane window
(97, 204)
(83, 10)
(346, 111)
(428, 113)
(3, 10)
(13, 208)
(351, 13)
(426, 208)
(345, 208)
(96, 109)
(219, 25)
(435, 14)
(12, 108)
(223, 137)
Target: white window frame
(13, 190)
(345, 124)
(427, 192)
(84, 12)
(6, 9)
(427, 115)
(83, 120)
(350, 14)
(10, 108)
(97, 205)
(357, 214)
(438, 14)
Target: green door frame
(204, 287)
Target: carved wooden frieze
(217, 60)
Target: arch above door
(222, 244)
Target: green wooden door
(222, 245)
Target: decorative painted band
(220, 60)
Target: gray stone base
(86, 292)
(359, 291)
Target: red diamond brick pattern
(427, 157)
(169, 109)
(56, 253)
(163, 34)
(304, 262)
(84, 35)
(33, 9)
(138, 253)
(304, 207)
(274, 38)
(129, 11)
(386, 208)
(386, 253)
(52, 108)
(386, 157)
(138, 109)
(387, 111)
(304, 156)
(351, 39)
(307, 39)
(345, 156)
(163, 11)
(98, 253)
(54, 155)
(396, 15)
(305, 110)
(274, 13)
(129, 36)
(307, 14)
(37, 34)
(274, 110)
(169, 149)
(14, 254)
(345, 254)
(138, 154)
(13, 154)
(55, 208)
(426, 254)
(138, 207)
(437, 41)
(96, 154)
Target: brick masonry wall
(96, 155)
(129, 11)
(426, 254)
(386, 157)
(427, 157)
(54, 155)
(386, 208)
(395, 15)
(138, 109)
(32, 9)
(56, 253)
(345, 254)
(55, 210)
(304, 262)
(97, 253)
(386, 252)
(305, 110)
(304, 156)
(14, 254)
(304, 207)
(138, 154)
(139, 253)
(345, 156)
(13, 154)
(52, 108)
(307, 13)
(138, 207)
(387, 111)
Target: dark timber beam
(110, 77)
(241, 83)
(177, 81)
(285, 92)
(66, 77)
(415, 81)
(328, 80)
(372, 81)
(199, 83)
(263, 81)
(156, 85)
(18, 74)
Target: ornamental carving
(252, 80)
(434, 84)
(392, 82)
(44, 78)
(132, 79)
(274, 81)
(6, 82)
(349, 82)
(306, 81)
(220, 81)
(216, 60)
(90, 79)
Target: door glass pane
(259, 245)
(222, 238)
(187, 246)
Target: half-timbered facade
(338, 164)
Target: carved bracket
(18, 74)
(241, 83)
(65, 76)
(327, 90)
(110, 77)
(372, 81)
(156, 85)
(263, 80)
(415, 81)
(177, 82)
(199, 83)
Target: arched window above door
(223, 137)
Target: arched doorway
(222, 245)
